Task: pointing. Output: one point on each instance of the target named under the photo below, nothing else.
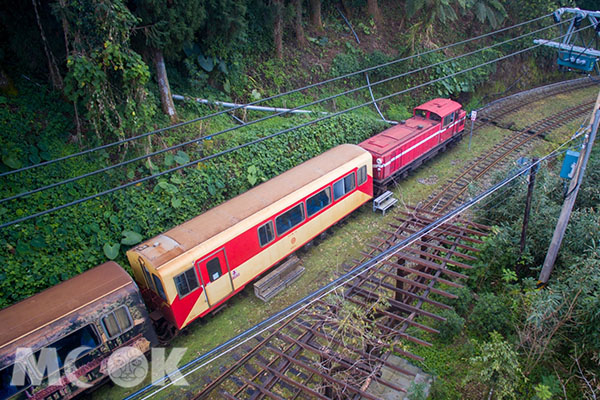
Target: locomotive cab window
(186, 282)
(448, 119)
(344, 186)
(362, 175)
(213, 267)
(289, 219)
(265, 234)
(117, 322)
(421, 113)
(318, 202)
(434, 117)
(7, 389)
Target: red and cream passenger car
(190, 270)
(404, 147)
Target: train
(191, 270)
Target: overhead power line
(259, 140)
(178, 125)
(278, 318)
(196, 140)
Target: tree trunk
(166, 100)
(300, 39)
(278, 28)
(315, 16)
(374, 12)
(55, 77)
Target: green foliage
(571, 304)
(416, 391)
(496, 365)
(433, 10)
(462, 303)
(398, 112)
(168, 26)
(450, 328)
(22, 118)
(491, 313)
(487, 11)
(542, 392)
(102, 61)
(345, 63)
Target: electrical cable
(178, 125)
(298, 306)
(259, 140)
(366, 73)
(196, 140)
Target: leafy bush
(345, 63)
(491, 313)
(497, 366)
(451, 327)
(463, 302)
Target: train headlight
(379, 161)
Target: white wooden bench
(384, 201)
(278, 279)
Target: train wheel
(165, 332)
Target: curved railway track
(350, 343)
(454, 191)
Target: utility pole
(565, 213)
(532, 173)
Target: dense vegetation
(506, 337)
(96, 71)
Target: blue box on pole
(568, 168)
(576, 60)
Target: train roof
(441, 107)
(58, 301)
(186, 236)
(395, 136)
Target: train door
(216, 277)
(448, 127)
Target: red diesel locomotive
(192, 269)
(404, 147)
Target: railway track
(494, 111)
(350, 343)
(454, 192)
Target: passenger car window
(265, 234)
(289, 219)
(84, 337)
(117, 322)
(343, 186)
(186, 282)
(213, 267)
(318, 202)
(159, 287)
(146, 274)
(7, 389)
(362, 175)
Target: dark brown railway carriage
(100, 308)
